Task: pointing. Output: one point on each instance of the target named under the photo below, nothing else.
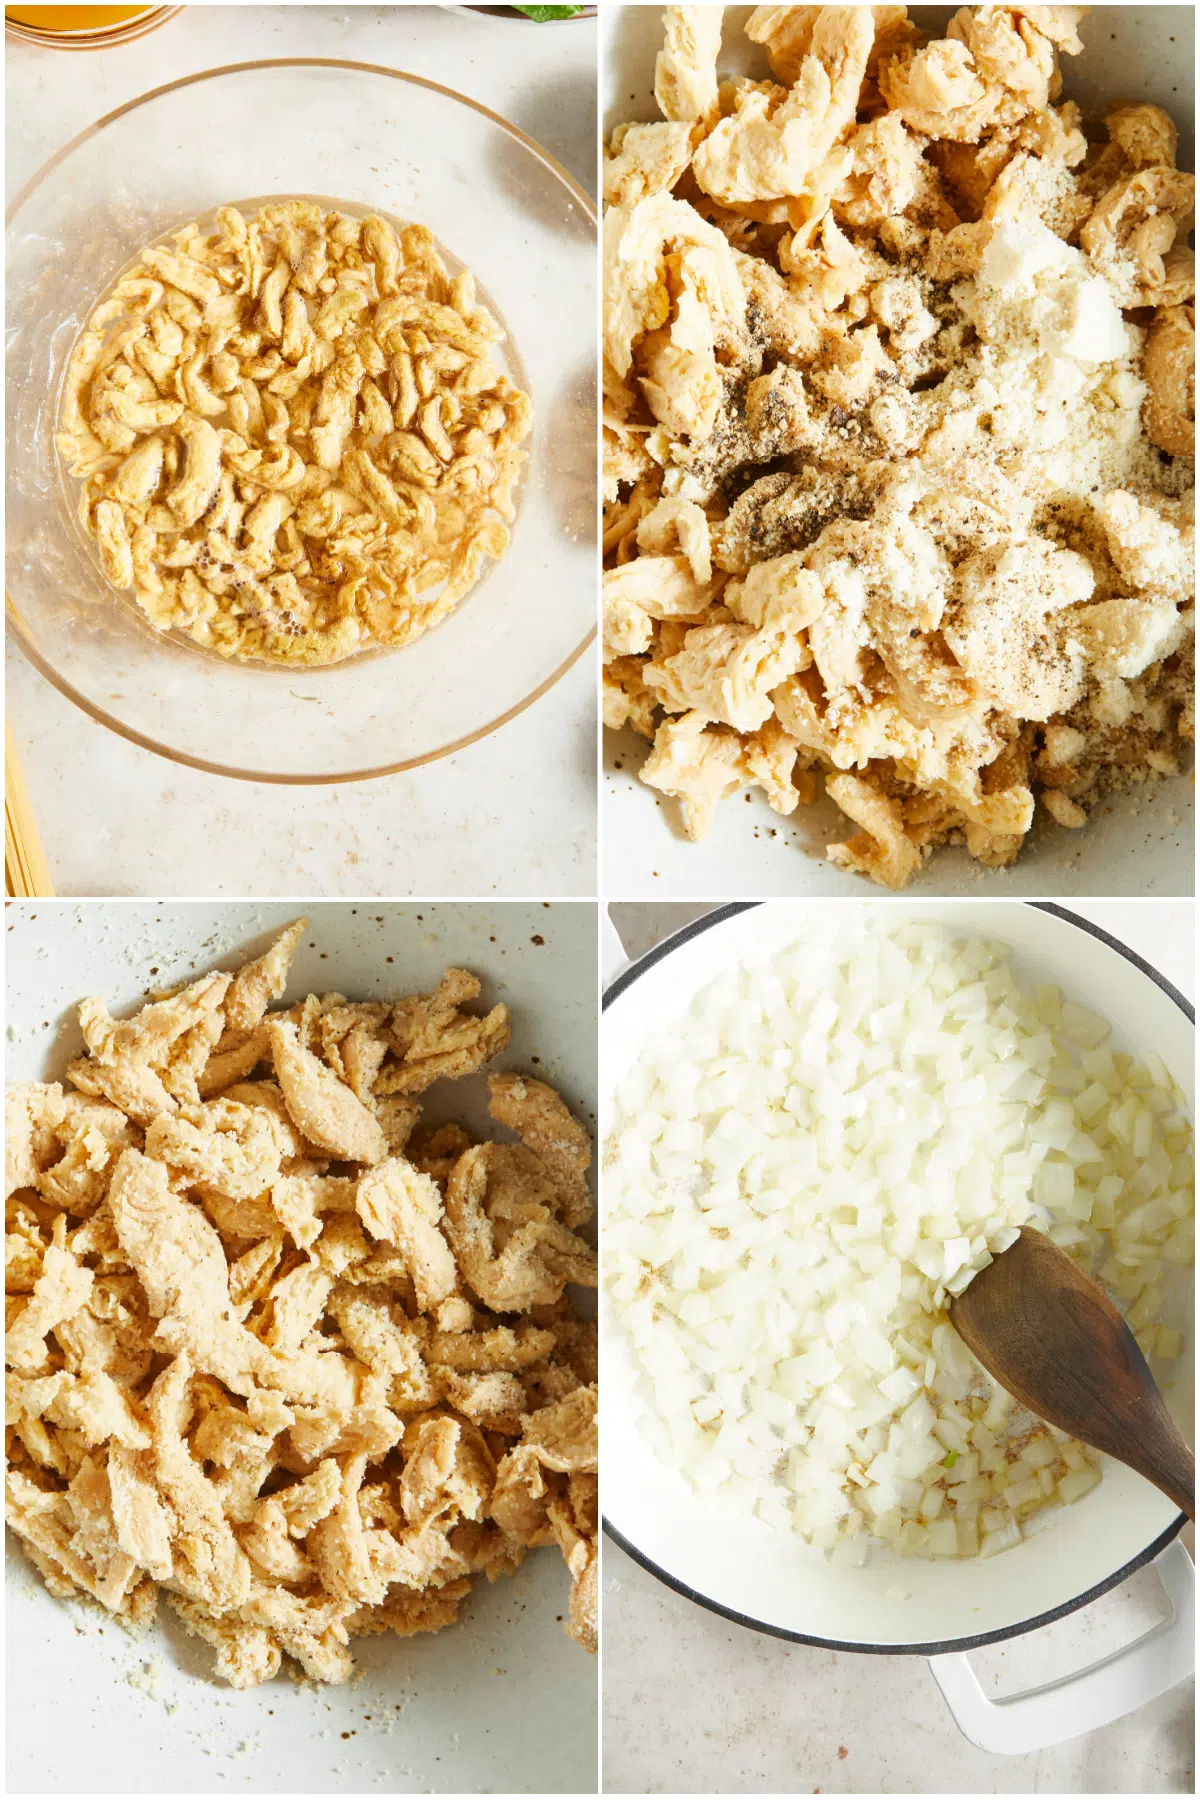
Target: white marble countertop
(514, 814)
(693, 1704)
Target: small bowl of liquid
(83, 27)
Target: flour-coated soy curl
(257, 1362)
(883, 413)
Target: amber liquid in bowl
(73, 18)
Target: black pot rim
(949, 1646)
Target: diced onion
(809, 1165)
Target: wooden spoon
(1054, 1339)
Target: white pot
(1137, 843)
(774, 1582)
(501, 1702)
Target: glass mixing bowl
(370, 139)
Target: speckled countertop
(514, 814)
(695, 1705)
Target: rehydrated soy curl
(899, 426)
(293, 438)
(275, 1348)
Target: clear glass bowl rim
(12, 611)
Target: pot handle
(1075, 1704)
(613, 957)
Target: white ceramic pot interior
(772, 1579)
(499, 1703)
